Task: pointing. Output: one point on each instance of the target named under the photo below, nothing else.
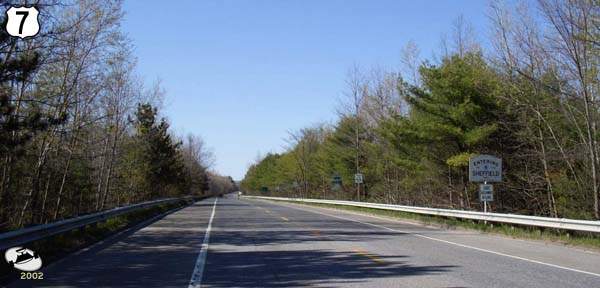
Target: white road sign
(22, 21)
(486, 188)
(485, 168)
(486, 197)
(358, 178)
(486, 193)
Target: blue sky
(243, 73)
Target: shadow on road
(278, 237)
(303, 268)
(158, 255)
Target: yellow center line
(368, 255)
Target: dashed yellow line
(271, 213)
(368, 255)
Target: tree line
(531, 99)
(79, 131)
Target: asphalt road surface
(254, 243)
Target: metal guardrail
(30, 234)
(536, 221)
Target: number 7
(25, 14)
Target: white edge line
(196, 280)
(428, 226)
(453, 243)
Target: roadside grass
(565, 237)
(56, 247)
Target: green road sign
(336, 180)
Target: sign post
(486, 194)
(485, 168)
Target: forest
(528, 93)
(80, 131)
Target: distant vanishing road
(256, 243)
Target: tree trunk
(550, 194)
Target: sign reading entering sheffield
(485, 168)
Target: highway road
(254, 243)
